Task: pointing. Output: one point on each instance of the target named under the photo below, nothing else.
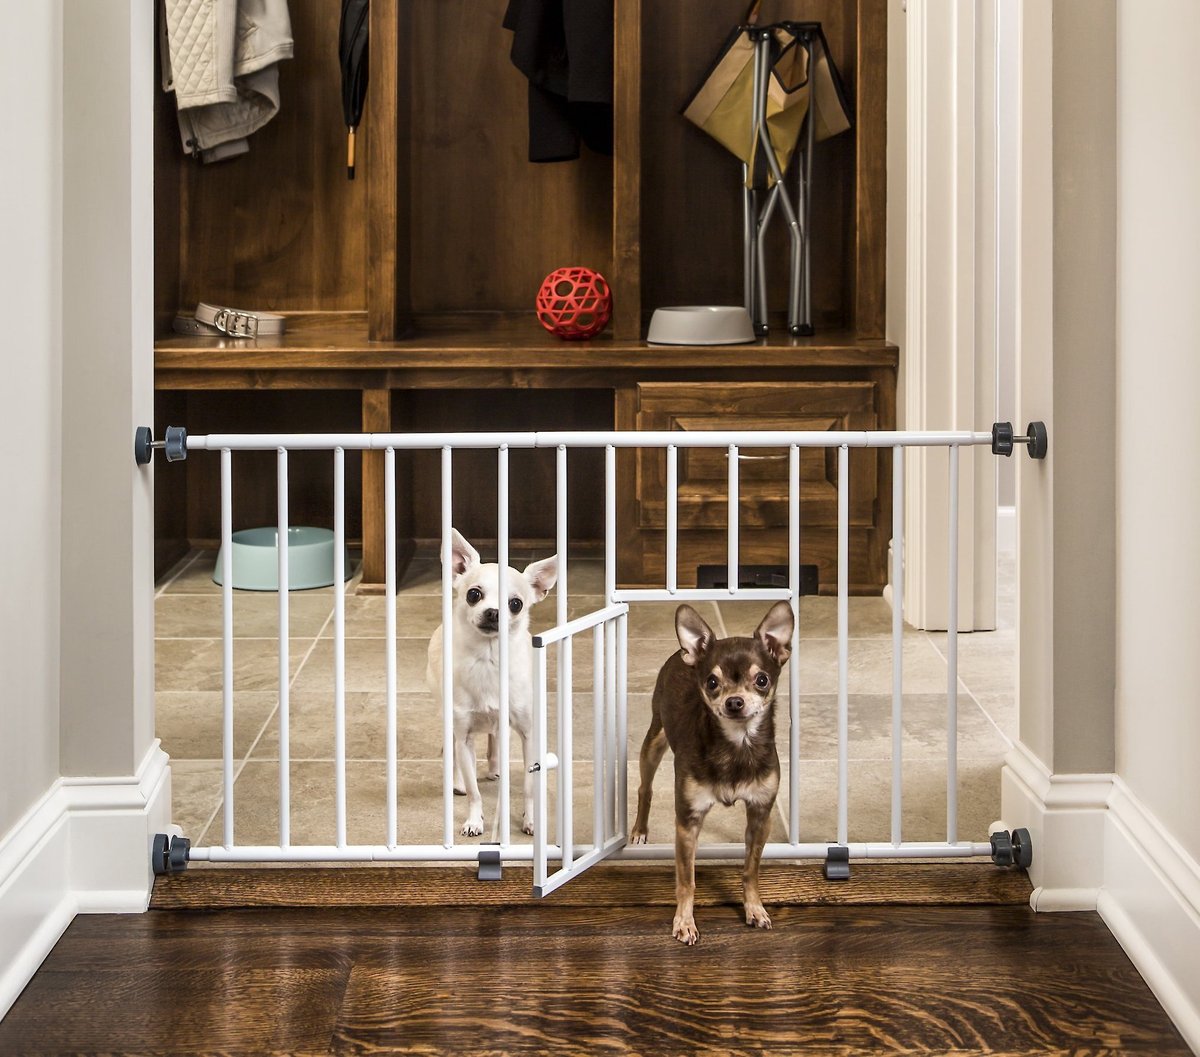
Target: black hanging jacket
(565, 49)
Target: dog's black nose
(734, 705)
(491, 616)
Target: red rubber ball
(574, 303)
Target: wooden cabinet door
(763, 477)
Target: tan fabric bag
(723, 106)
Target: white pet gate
(552, 767)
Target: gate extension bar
(174, 442)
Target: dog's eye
(515, 605)
(712, 683)
(473, 596)
(762, 681)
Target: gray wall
(1157, 421)
(76, 376)
(30, 410)
(108, 362)
(1085, 202)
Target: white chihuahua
(476, 649)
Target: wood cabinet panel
(865, 401)
(763, 490)
(488, 225)
(279, 228)
(409, 290)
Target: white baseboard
(1151, 904)
(36, 902)
(1096, 847)
(83, 848)
(1065, 817)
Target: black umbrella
(352, 53)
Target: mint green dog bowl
(256, 559)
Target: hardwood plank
(216, 1010)
(828, 981)
(588, 979)
(609, 885)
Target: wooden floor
(564, 977)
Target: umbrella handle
(350, 152)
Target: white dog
(476, 649)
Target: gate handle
(174, 444)
(551, 763)
(1035, 439)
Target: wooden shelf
(339, 342)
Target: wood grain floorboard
(578, 980)
(607, 885)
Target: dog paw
(459, 792)
(473, 827)
(637, 836)
(526, 825)
(685, 930)
(493, 775)
(757, 916)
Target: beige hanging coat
(220, 59)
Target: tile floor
(188, 696)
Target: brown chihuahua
(714, 706)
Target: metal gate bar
(897, 639)
(389, 595)
(285, 792)
(609, 627)
(227, 639)
(339, 641)
(447, 651)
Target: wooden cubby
(409, 290)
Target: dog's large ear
(775, 631)
(462, 555)
(542, 576)
(694, 635)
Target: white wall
(83, 784)
(1006, 156)
(1158, 417)
(30, 414)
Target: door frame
(948, 355)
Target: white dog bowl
(256, 559)
(700, 325)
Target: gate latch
(551, 763)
